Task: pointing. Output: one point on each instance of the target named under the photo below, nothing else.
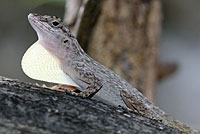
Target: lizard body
(93, 78)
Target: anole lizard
(92, 78)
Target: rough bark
(25, 108)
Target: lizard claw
(37, 84)
(43, 85)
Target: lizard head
(54, 36)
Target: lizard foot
(88, 93)
(65, 88)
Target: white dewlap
(39, 64)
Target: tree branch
(26, 108)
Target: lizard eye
(55, 23)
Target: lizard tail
(139, 104)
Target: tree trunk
(125, 39)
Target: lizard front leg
(94, 84)
(85, 78)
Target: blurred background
(178, 94)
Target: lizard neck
(52, 49)
(63, 53)
(74, 50)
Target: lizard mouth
(39, 23)
(32, 17)
(34, 21)
(35, 17)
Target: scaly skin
(92, 77)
